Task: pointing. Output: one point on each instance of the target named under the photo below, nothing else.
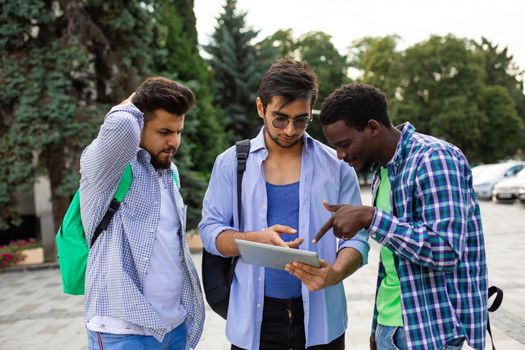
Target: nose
(174, 140)
(290, 128)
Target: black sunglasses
(298, 123)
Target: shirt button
(259, 279)
(152, 231)
(373, 235)
(259, 305)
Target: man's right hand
(272, 235)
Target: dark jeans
(283, 327)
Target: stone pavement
(34, 314)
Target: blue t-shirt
(283, 209)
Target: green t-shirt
(389, 294)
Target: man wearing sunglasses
(288, 175)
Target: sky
(500, 21)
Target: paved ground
(34, 314)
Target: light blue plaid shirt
(118, 262)
(435, 233)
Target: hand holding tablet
(274, 256)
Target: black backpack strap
(242, 149)
(495, 305)
(104, 223)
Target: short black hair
(355, 104)
(159, 92)
(290, 79)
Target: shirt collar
(407, 130)
(406, 134)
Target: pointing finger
(327, 225)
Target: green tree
(331, 67)
(316, 49)
(502, 129)
(178, 58)
(275, 47)
(235, 73)
(452, 88)
(381, 65)
(437, 69)
(63, 63)
(501, 70)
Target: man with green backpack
(141, 286)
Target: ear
(260, 107)
(374, 127)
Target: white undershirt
(163, 281)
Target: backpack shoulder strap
(243, 149)
(122, 190)
(176, 178)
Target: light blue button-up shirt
(323, 176)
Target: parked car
(478, 169)
(508, 189)
(485, 180)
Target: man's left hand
(314, 278)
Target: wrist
(368, 217)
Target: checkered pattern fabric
(435, 233)
(118, 262)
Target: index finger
(327, 225)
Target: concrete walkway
(34, 314)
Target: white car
(508, 189)
(485, 180)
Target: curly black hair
(355, 104)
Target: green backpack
(72, 247)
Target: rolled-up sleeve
(218, 206)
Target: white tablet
(274, 256)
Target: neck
(389, 145)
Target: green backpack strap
(125, 184)
(122, 190)
(176, 176)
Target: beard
(278, 142)
(160, 161)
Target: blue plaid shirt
(118, 262)
(435, 233)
